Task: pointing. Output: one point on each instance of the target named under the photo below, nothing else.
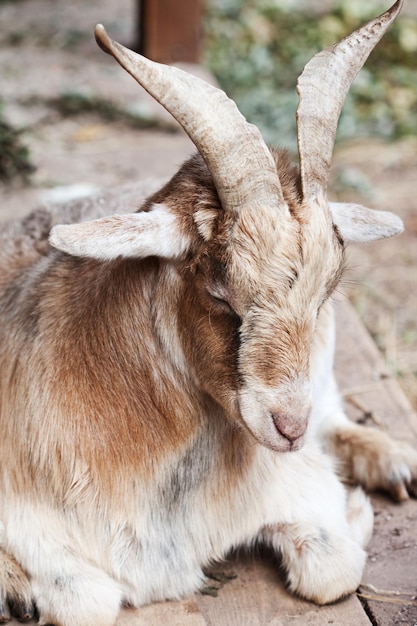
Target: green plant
(256, 49)
(14, 156)
(71, 104)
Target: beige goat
(166, 375)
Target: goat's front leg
(367, 456)
(322, 533)
(67, 588)
(15, 591)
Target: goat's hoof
(12, 608)
(15, 591)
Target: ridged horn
(238, 159)
(322, 89)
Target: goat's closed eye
(223, 304)
(220, 298)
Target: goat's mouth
(273, 438)
(282, 428)
(283, 443)
(267, 431)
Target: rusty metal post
(170, 30)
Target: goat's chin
(269, 437)
(277, 417)
(282, 444)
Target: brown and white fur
(167, 394)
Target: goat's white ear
(360, 224)
(132, 235)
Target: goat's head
(270, 254)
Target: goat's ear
(360, 224)
(133, 235)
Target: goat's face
(260, 267)
(281, 274)
(260, 282)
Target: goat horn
(240, 163)
(322, 89)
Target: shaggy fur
(172, 402)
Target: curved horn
(322, 89)
(235, 152)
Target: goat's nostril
(292, 428)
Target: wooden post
(169, 30)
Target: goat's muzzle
(291, 429)
(278, 418)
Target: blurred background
(72, 122)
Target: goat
(167, 388)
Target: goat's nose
(290, 427)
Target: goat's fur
(167, 395)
